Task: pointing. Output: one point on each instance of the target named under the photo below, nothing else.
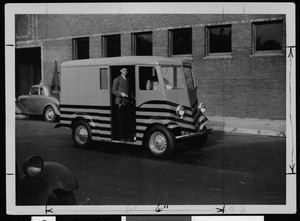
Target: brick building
(239, 61)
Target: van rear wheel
(160, 141)
(81, 134)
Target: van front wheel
(160, 141)
(81, 134)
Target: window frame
(134, 42)
(207, 41)
(171, 38)
(104, 45)
(100, 79)
(75, 47)
(254, 34)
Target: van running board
(137, 142)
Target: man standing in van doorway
(123, 91)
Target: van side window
(103, 78)
(148, 78)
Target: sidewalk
(263, 127)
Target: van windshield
(189, 77)
(173, 77)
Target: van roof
(125, 60)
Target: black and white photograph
(150, 108)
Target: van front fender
(167, 123)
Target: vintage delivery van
(166, 109)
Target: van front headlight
(202, 107)
(180, 111)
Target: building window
(111, 46)
(180, 41)
(268, 36)
(81, 47)
(142, 43)
(218, 39)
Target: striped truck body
(148, 113)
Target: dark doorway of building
(28, 69)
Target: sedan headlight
(33, 166)
(202, 107)
(180, 111)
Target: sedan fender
(36, 190)
(54, 106)
(58, 176)
(19, 108)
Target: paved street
(231, 169)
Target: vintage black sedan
(40, 101)
(45, 183)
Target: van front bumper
(193, 135)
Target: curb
(271, 133)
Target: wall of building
(242, 85)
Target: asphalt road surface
(229, 169)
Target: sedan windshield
(173, 77)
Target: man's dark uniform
(124, 107)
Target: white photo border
(188, 8)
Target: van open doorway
(130, 120)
